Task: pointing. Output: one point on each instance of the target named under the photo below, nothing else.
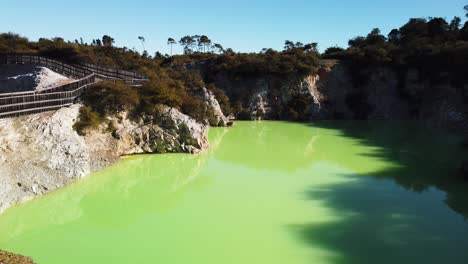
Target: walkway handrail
(71, 70)
(20, 103)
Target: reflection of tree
(422, 157)
(383, 223)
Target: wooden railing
(76, 70)
(23, 103)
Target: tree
(107, 41)
(415, 28)
(217, 48)
(142, 39)
(438, 28)
(171, 42)
(357, 42)
(375, 38)
(289, 45)
(187, 43)
(311, 47)
(204, 42)
(394, 36)
(333, 50)
(464, 32)
(375, 31)
(158, 55)
(466, 10)
(454, 28)
(196, 43)
(229, 51)
(455, 24)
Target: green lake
(265, 193)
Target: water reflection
(266, 192)
(388, 223)
(116, 190)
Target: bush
(108, 98)
(87, 119)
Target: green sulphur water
(265, 193)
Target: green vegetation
(431, 45)
(295, 61)
(87, 119)
(437, 48)
(175, 81)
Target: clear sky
(244, 25)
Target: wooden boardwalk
(25, 103)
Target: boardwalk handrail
(54, 93)
(72, 70)
(20, 103)
(38, 102)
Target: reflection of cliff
(271, 146)
(409, 224)
(386, 220)
(135, 186)
(414, 156)
(288, 147)
(417, 158)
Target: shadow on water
(394, 223)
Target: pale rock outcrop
(42, 152)
(259, 107)
(211, 101)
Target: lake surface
(266, 193)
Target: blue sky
(244, 25)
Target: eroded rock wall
(42, 152)
(335, 92)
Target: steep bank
(339, 91)
(42, 152)
(391, 94)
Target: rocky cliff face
(388, 94)
(334, 93)
(42, 152)
(220, 119)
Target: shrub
(87, 119)
(107, 98)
